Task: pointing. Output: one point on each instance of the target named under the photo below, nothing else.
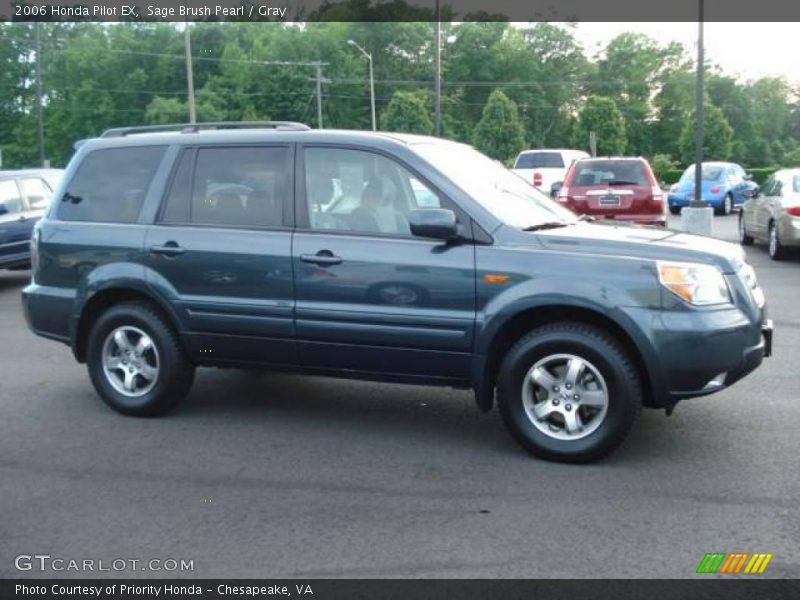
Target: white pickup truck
(543, 168)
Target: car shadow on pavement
(10, 279)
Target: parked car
(490, 285)
(623, 189)
(772, 214)
(543, 168)
(23, 197)
(725, 186)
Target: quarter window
(110, 185)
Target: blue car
(725, 186)
(24, 195)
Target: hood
(656, 243)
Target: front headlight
(696, 283)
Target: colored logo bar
(735, 563)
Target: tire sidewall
(151, 402)
(622, 407)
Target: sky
(745, 50)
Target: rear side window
(229, 187)
(10, 198)
(110, 185)
(609, 172)
(540, 160)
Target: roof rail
(195, 127)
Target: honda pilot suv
(385, 257)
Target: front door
(371, 298)
(221, 251)
(15, 230)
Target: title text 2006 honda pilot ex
(380, 256)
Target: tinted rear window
(609, 172)
(110, 185)
(540, 160)
(709, 173)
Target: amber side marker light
(496, 278)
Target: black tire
(776, 250)
(726, 207)
(175, 372)
(593, 345)
(744, 239)
(675, 210)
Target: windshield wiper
(546, 225)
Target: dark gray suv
(380, 256)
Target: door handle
(323, 257)
(168, 249)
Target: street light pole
(189, 74)
(438, 92)
(39, 115)
(368, 56)
(698, 201)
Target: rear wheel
(675, 210)
(568, 392)
(726, 207)
(776, 250)
(136, 363)
(744, 239)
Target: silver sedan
(772, 214)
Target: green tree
(407, 113)
(601, 116)
(499, 133)
(717, 136)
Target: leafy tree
(601, 116)
(499, 133)
(717, 136)
(662, 164)
(407, 113)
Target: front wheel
(726, 207)
(568, 392)
(136, 362)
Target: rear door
(371, 298)
(15, 231)
(220, 250)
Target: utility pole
(319, 95)
(189, 74)
(698, 201)
(39, 115)
(438, 93)
(368, 56)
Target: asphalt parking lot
(271, 475)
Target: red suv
(624, 189)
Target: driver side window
(361, 192)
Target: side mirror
(555, 188)
(433, 223)
(753, 193)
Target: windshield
(708, 173)
(539, 160)
(506, 195)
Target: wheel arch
(111, 295)
(523, 321)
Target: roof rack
(195, 127)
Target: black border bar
(700, 587)
(400, 10)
